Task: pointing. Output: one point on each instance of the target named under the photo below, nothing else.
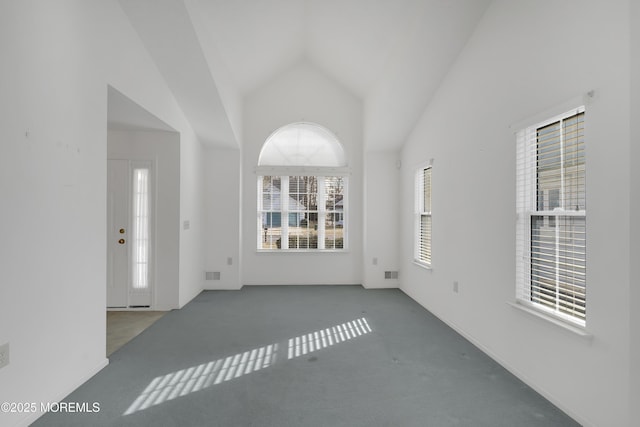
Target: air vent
(390, 274)
(212, 275)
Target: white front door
(129, 234)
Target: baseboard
(25, 422)
(381, 286)
(525, 379)
(223, 287)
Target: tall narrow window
(423, 216)
(302, 190)
(140, 235)
(551, 207)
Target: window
(423, 216)
(551, 224)
(302, 190)
(140, 235)
(302, 144)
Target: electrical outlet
(456, 287)
(4, 355)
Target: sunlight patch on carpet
(190, 380)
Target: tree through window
(302, 190)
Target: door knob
(121, 241)
(122, 231)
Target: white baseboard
(550, 397)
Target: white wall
(301, 94)
(223, 215)
(163, 149)
(192, 238)
(58, 58)
(634, 300)
(521, 61)
(381, 223)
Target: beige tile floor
(123, 326)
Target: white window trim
(148, 289)
(302, 171)
(578, 330)
(526, 208)
(418, 214)
(284, 173)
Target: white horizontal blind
(334, 215)
(423, 216)
(302, 212)
(551, 207)
(269, 212)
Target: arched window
(302, 144)
(302, 190)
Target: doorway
(143, 217)
(130, 234)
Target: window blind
(551, 207)
(302, 212)
(423, 216)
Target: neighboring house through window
(551, 224)
(302, 190)
(422, 252)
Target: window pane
(574, 163)
(271, 230)
(561, 164)
(271, 193)
(303, 193)
(558, 264)
(140, 251)
(303, 233)
(296, 223)
(334, 217)
(426, 187)
(425, 238)
(334, 231)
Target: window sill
(575, 329)
(423, 265)
(302, 251)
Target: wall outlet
(4, 355)
(456, 287)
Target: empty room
(319, 213)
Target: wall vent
(212, 275)
(390, 274)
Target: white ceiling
(392, 54)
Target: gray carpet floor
(282, 356)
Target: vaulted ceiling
(392, 54)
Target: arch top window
(302, 144)
(302, 191)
